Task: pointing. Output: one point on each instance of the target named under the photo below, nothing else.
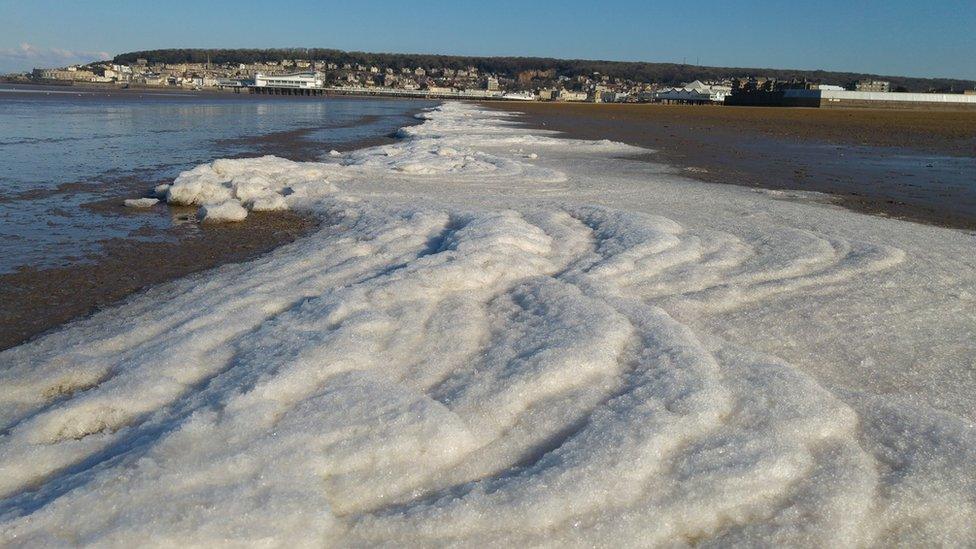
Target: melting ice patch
(431, 157)
(140, 202)
(420, 374)
(227, 189)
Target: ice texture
(474, 350)
(268, 203)
(160, 190)
(229, 210)
(140, 202)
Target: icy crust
(140, 202)
(422, 158)
(448, 124)
(429, 375)
(464, 143)
(227, 189)
(231, 210)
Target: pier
(384, 92)
(273, 90)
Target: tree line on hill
(664, 73)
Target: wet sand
(36, 300)
(913, 165)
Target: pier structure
(385, 92)
(276, 90)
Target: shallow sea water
(65, 152)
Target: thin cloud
(27, 56)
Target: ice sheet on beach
(484, 348)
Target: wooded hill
(665, 73)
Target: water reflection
(62, 152)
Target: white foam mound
(264, 181)
(140, 202)
(161, 190)
(268, 203)
(472, 352)
(229, 210)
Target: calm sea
(64, 152)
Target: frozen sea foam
(140, 202)
(477, 350)
(229, 210)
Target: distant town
(309, 76)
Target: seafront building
(70, 74)
(696, 92)
(865, 94)
(872, 86)
(871, 99)
(302, 80)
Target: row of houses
(144, 73)
(309, 81)
(540, 85)
(436, 82)
(696, 92)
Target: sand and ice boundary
(500, 336)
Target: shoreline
(129, 266)
(39, 300)
(900, 164)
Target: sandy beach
(913, 165)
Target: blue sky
(903, 37)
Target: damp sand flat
(908, 164)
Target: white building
(694, 92)
(846, 98)
(566, 95)
(302, 80)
